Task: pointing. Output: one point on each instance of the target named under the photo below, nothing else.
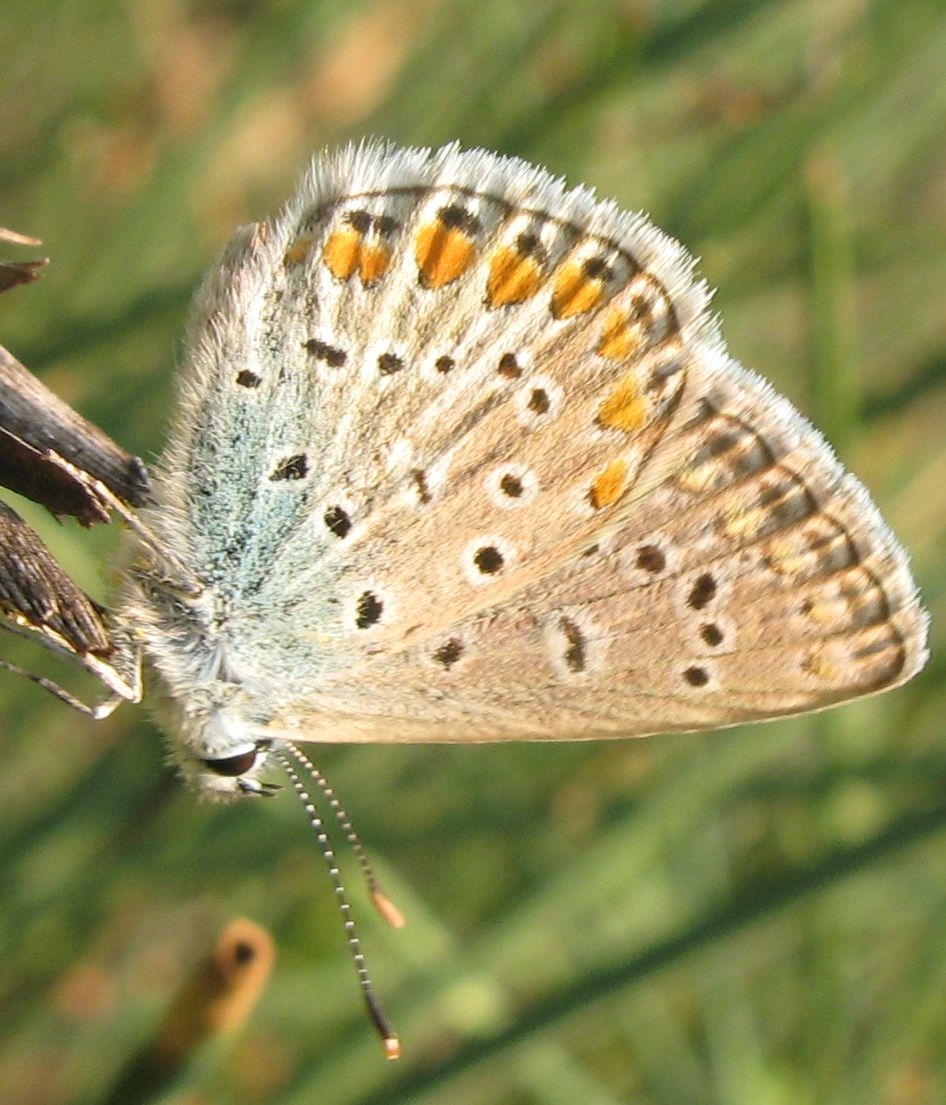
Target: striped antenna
(392, 1045)
(382, 902)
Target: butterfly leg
(99, 710)
(123, 676)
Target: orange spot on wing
(342, 252)
(609, 485)
(297, 251)
(625, 408)
(442, 253)
(575, 292)
(373, 263)
(621, 337)
(513, 277)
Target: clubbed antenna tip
(387, 908)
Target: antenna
(382, 902)
(392, 1045)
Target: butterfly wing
(463, 457)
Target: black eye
(233, 765)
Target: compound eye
(233, 765)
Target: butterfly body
(460, 455)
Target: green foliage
(749, 917)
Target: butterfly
(460, 455)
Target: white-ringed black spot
(488, 560)
(509, 367)
(711, 634)
(338, 521)
(539, 402)
(322, 351)
(292, 468)
(650, 559)
(247, 379)
(696, 677)
(510, 485)
(368, 610)
(445, 364)
(389, 363)
(702, 592)
(574, 655)
(449, 653)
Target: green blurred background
(756, 916)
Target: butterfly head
(221, 757)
